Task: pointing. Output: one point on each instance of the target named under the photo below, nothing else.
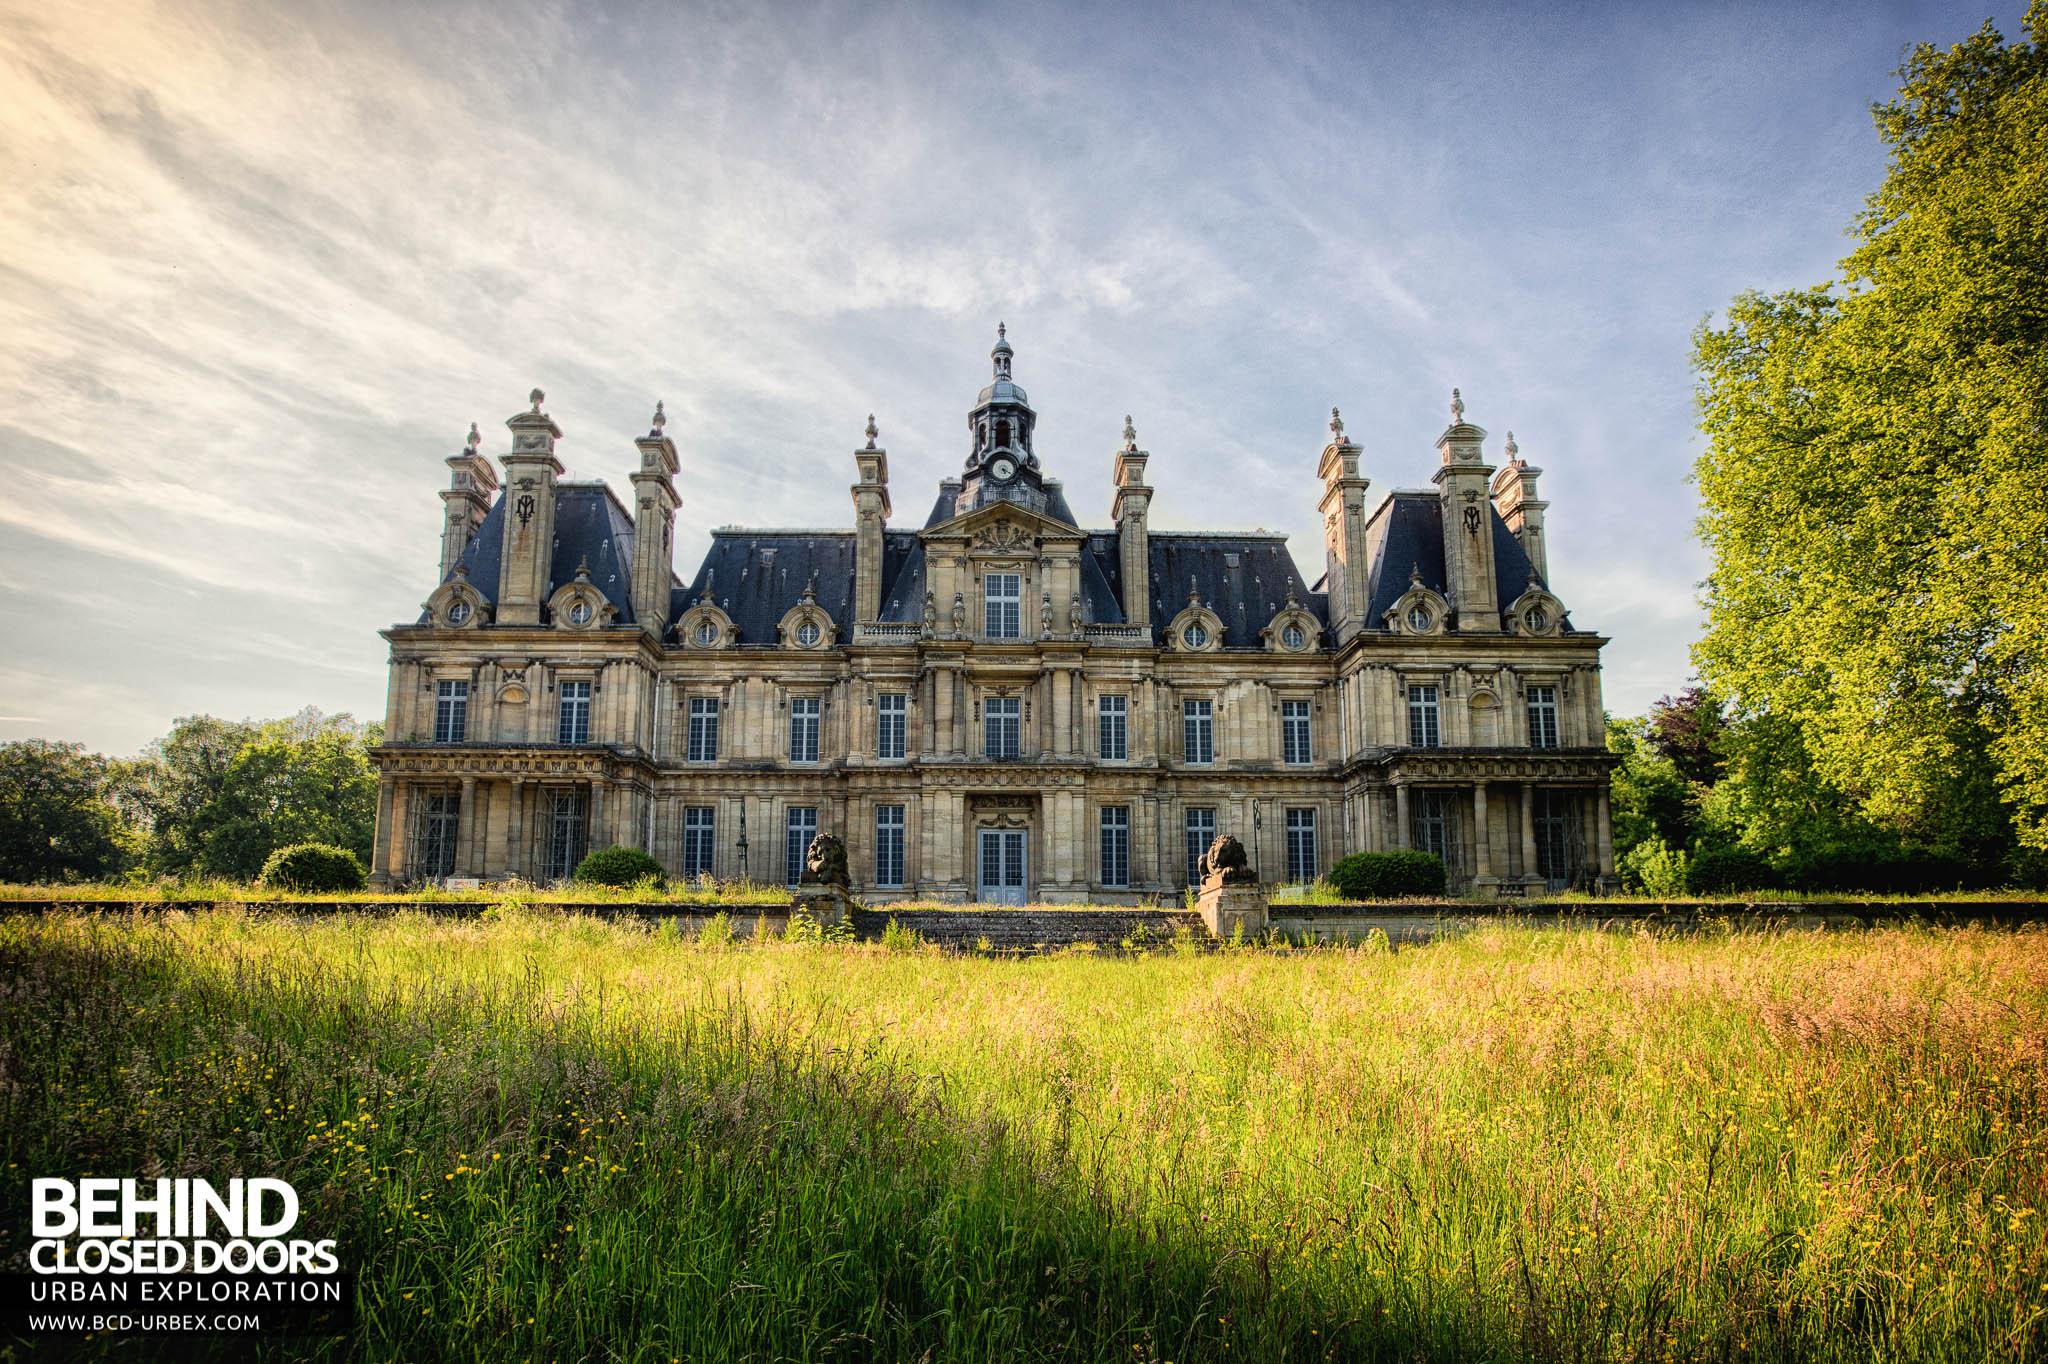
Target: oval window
(1539, 620)
(458, 612)
(580, 613)
(807, 634)
(1196, 636)
(707, 632)
(1418, 619)
(1293, 638)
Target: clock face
(1002, 469)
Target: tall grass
(210, 890)
(540, 1137)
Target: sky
(261, 266)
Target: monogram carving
(1005, 535)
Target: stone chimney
(870, 518)
(531, 470)
(1344, 552)
(1461, 482)
(1514, 493)
(654, 524)
(471, 485)
(1128, 509)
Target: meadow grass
(222, 890)
(540, 1136)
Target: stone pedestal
(1227, 906)
(829, 905)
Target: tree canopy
(1873, 491)
(56, 823)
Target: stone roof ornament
(536, 398)
(1130, 433)
(583, 569)
(1336, 427)
(660, 419)
(1457, 408)
(872, 432)
(1002, 352)
(811, 591)
(476, 438)
(1194, 593)
(1414, 575)
(1513, 449)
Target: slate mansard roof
(591, 528)
(757, 576)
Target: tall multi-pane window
(1116, 845)
(889, 846)
(804, 713)
(1002, 600)
(700, 825)
(1301, 845)
(1433, 822)
(1201, 832)
(1542, 717)
(801, 828)
(451, 712)
(1198, 731)
(1294, 736)
(1423, 730)
(1002, 726)
(564, 831)
(572, 720)
(892, 725)
(703, 729)
(438, 832)
(1112, 729)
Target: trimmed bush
(617, 866)
(314, 867)
(1383, 876)
(1721, 871)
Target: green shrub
(1654, 867)
(617, 866)
(1881, 868)
(897, 938)
(1386, 875)
(1719, 871)
(716, 932)
(314, 867)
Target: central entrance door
(1002, 867)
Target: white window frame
(889, 845)
(1002, 727)
(1425, 717)
(799, 827)
(806, 726)
(1302, 864)
(1114, 824)
(703, 734)
(700, 839)
(1297, 734)
(1113, 729)
(451, 710)
(1198, 827)
(1002, 605)
(1543, 727)
(1198, 732)
(572, 712)
(892, 725)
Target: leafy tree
(1685, 730)
(282, 791)
(1648, 800)
(1871, 489)
(177, 779)
(56, 823)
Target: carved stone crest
(1005, 535)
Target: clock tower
(1002, 466)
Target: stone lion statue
(825, 863)
(1226, 859)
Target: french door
(1002, 867)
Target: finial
(536, 398)
(811, 588)
(1457, 409)
(660, 417)
(1130, 433)
(1001, 331)
(1194, 593)
(1414, 572)
(872, 433)
(1513, 449)
(476, 438)
(583, 567)
(1336, 426)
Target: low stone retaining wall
(1031, 930)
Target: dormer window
(458, 612)
(707, 633)
(1197, 636)
(1419, 619)
(807, 634)
(579, 613)
(1294, 638)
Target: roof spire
(1002, 352)
(1336, 427)
(1457, 409)
(872, 432)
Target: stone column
(465, 829)
(1528, 829)
(1062, 711)
(401, 820)
(1606, 828)
(1482, 854)
(595, 831)
(942, 688)
(515, 823)
(380, 851)
(1401, 816)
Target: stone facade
(1000, 704)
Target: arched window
(1002, 434)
